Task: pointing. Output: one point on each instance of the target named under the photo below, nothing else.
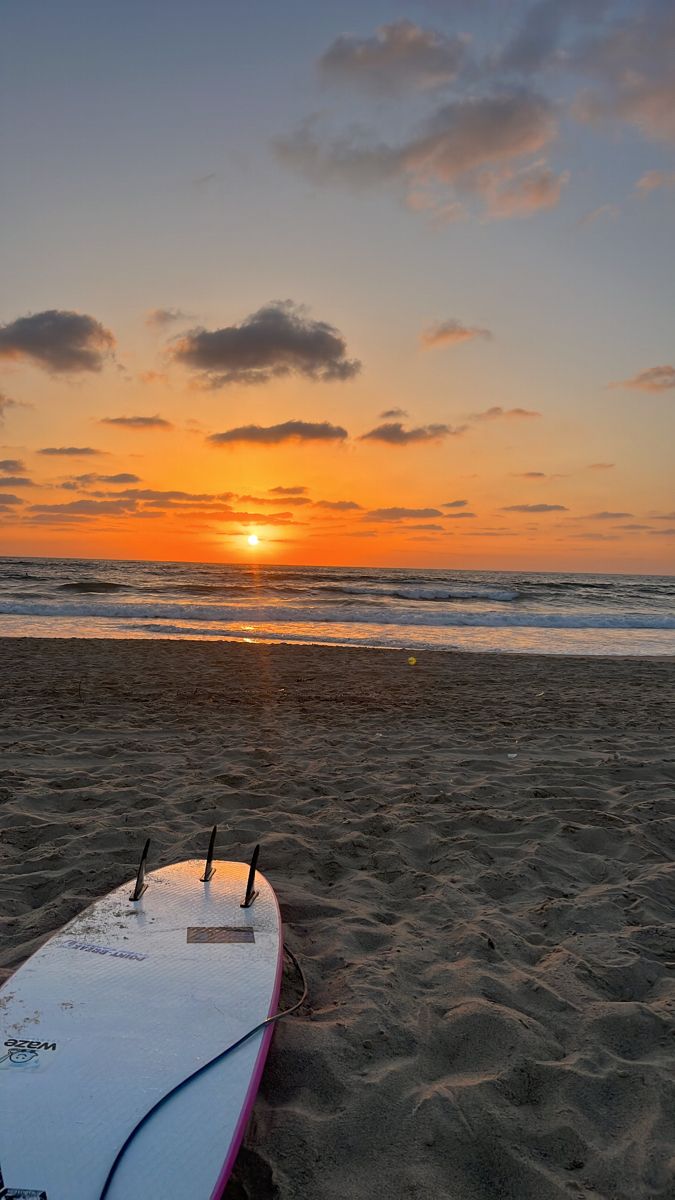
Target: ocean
(516, 611)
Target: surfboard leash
(286, 1012)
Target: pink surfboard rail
(254, 1085)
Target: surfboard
(118, 1008)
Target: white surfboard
(114, 1011)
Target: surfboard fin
(140, 878)
(209, 869)
(250, 893)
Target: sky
(370, 283)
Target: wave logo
(23, 1055)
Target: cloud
(294, 501)
(86, 507)
(160, 318)
(653, 379)
(633, 528)
(630, 68)
(455, 503)
(398, 57)
(431, 527)
(651, 181)
(670, 516)
(608, 516)
(536, 43)
(338, 505)
(531, 475)
(497, 413)
(6, 404)
(75, 482)
(459, 516)
(392, 413)
(520, 192)
(600, 466)
(393, 433)
(59, 342)
(278, 339)
(597, 214)
(287, 431)
(16, 481)
(662, 532)
(535, 508)
(8, 500)
(155, 422)
(401, 514)
(289, 491)
(70, 451)
(8, 466)
(468, 149)
(452, 333)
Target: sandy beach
(474, 860)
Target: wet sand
(474, 860)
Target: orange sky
(476, 362)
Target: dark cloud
(400, 514)
(608, 516)
(662, 532)
(170, 497)
(472, 149)
(289, 491)
(338, 505)
(459, 516)
(539, 40)
(155, 422)
(633, 528)
(287, 431)
(452, 333)
(393, 433)
(160, 318)
(294, 501)
(653, 379)
(530, 475)
(6, 404)
(535, 508)
(390, 414)
(70, 451)
(397, 57)
(431, 528)
(60, 342)
(76, 482)
(8, 500)
(17, 481)
(497, 413)
(279, 339)
(670, 516)
(8, 466)
(600, 466)
(87, 507)
(629, 65)
(455, 503)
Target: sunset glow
(475, 365)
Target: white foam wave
(348, 614)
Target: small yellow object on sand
(412, 661)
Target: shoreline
(417, 651)
(474, 862)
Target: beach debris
(412, 661)
(513, 755)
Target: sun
(253, 539)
